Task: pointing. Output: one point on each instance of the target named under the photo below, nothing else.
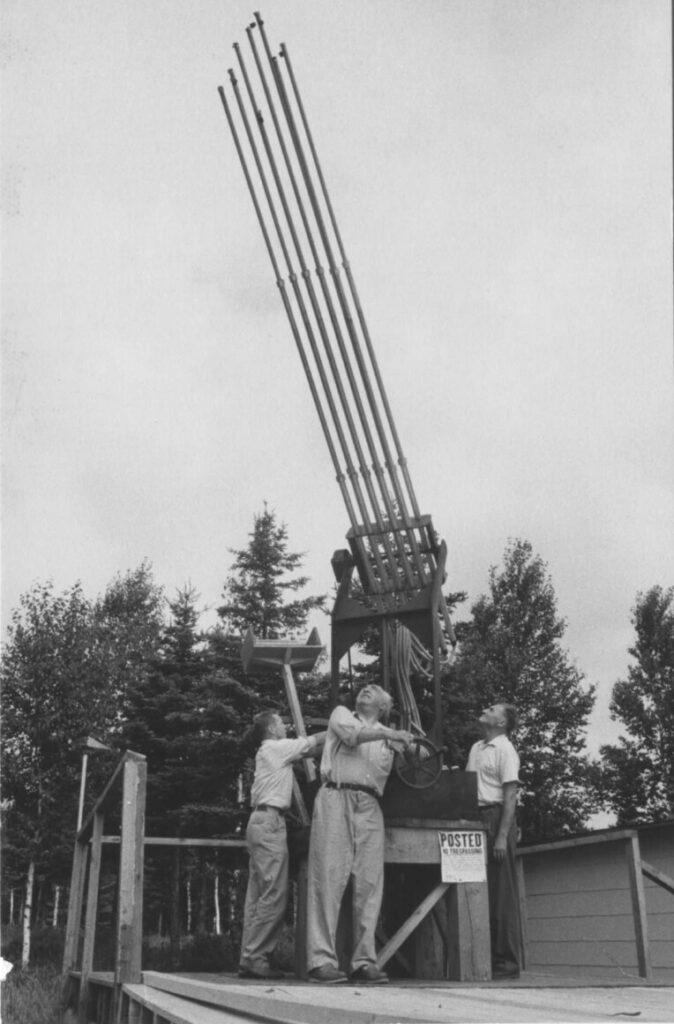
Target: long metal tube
(280, 190)
(390, 462)
(291, 317)
(352, 285)
(402, 561)
(365, 473)
(402, 461)
(418, 562)
(312, 295)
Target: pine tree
(637, 774)
(512, 652)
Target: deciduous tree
(637, 773)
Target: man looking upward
(497, 764)
(347, 836)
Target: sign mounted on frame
(463, 855)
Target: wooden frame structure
(637, 870)
(131, 773)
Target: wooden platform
(223, 998)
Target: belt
(486, 807)
(270, 807)
(352, 785)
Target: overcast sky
(501, 174)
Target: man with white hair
(497, 764)
(347, 836)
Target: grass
(31, 996)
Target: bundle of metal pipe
(288, 190)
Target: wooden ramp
(223, 998)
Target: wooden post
(522, 895)
(633, 857)
(129, 939)
(75, 898)
(468, 940)
(301, 921)
(90, 916)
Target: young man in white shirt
(347, 836)
(497, 765)
(271, 794)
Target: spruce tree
(259, 589)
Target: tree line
(137, 671)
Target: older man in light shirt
(347, 836)
(271, 794)
(497, 765)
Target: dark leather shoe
(326, 974)
(261, 971)
(505, 973)
(368, 974)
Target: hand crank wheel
(419, 766)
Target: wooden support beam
(522, 895)
(659, 877)
(72, 937)
(130, 907)
(233, 844)
(633, 858)
(75, 899)
(90, 917)
(411, 923)
(567, 844)
(296, 712)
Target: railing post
(633, 857)
(90, 916)
(75, 898)
(129, 937)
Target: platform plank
(177, 1010)
(536, 999)
(273, 1001)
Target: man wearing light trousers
(347, 837)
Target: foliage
(188, 717)
(31, 996)
(256, 593)
(512, 652)
(66, 667)
(52, 694)
(637, 774)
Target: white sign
(462, 856)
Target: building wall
(579, 909)
(657, 847)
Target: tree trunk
(27, 907)
(11, 906)
(201, 887)
(57, 900)
(189, 905)
(174, 922)
(216, 903)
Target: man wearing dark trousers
(497, 763)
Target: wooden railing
(131, 773)
(98, 995)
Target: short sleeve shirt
(273, 781)
(496, 762)
(367, 764)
